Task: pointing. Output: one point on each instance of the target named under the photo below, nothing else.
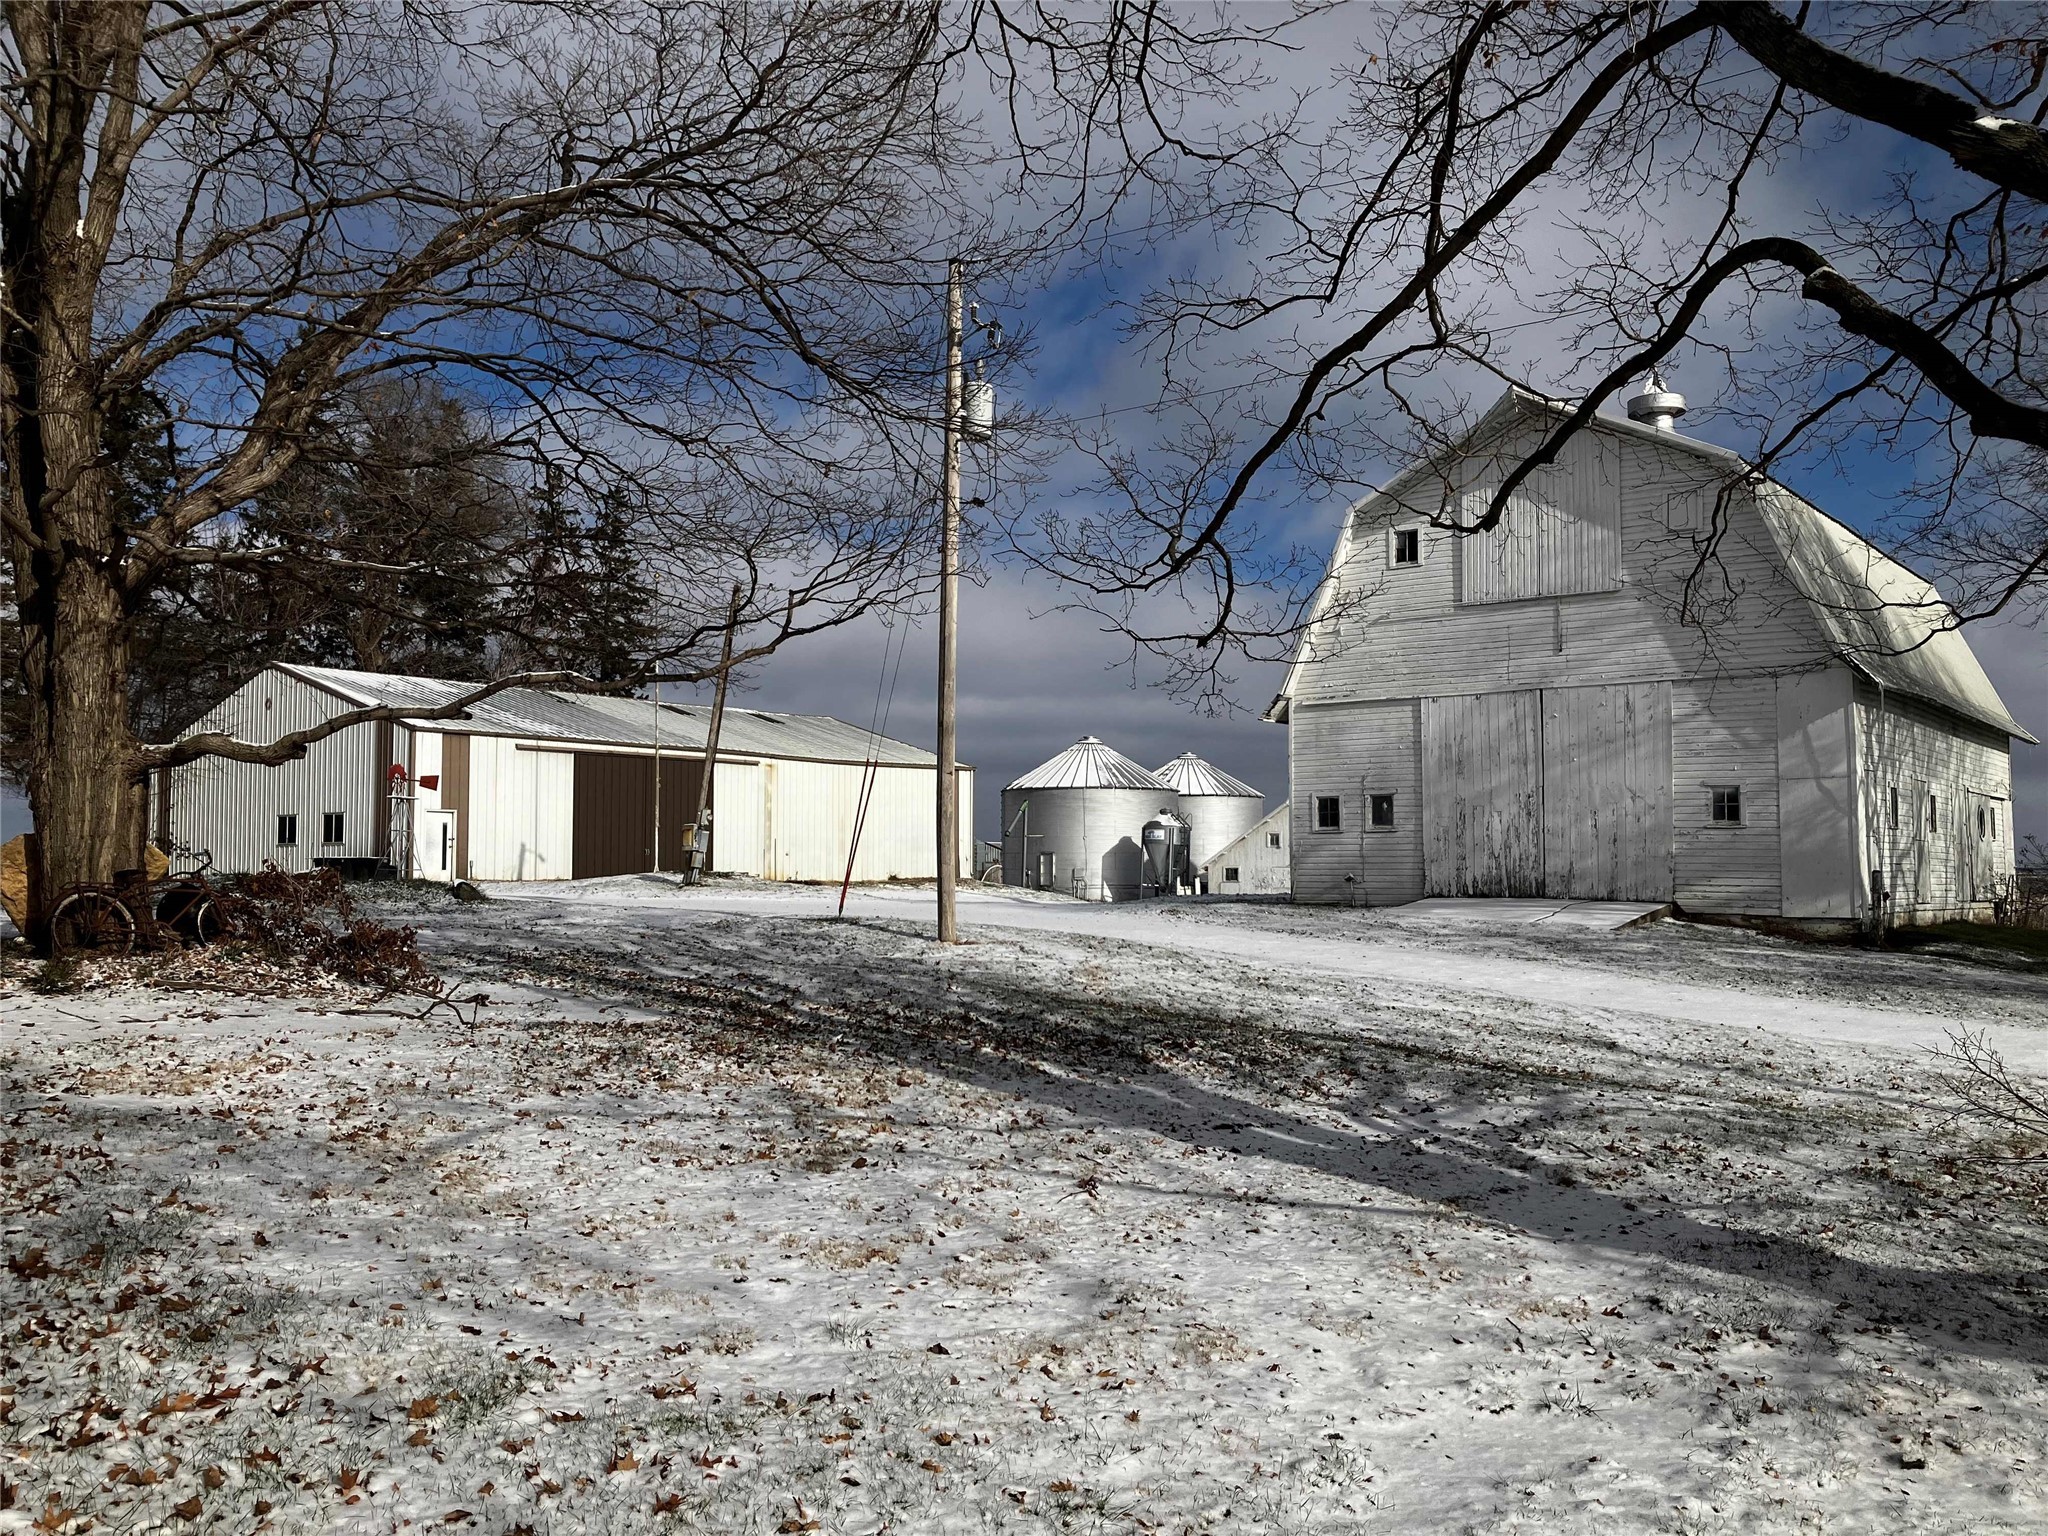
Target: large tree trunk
(89, 800)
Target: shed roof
(1190, 775)
(547, 714)
(1089, 764)
(1885, 621)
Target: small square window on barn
(330, 826)
(1382, 811)
(1329, 817)
(288, 831)
(1404, 546)
(1229, 873)
(1272, 839)
(1727, 805)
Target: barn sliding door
(1482, 795)
(1607, 792)
(1564, 792)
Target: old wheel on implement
(92, 920)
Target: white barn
(531, 784)
(1663, 678)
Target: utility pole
(699, 853)
(654, 693)
(949, 622)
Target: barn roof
(1191, 776)
(1886, 621)
(1089, 764)
(547, 714)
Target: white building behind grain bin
(532, 784)
(1254, 863)
(1075, 823)
(1576, 704)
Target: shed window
(1272, 839)
(1404, 546)
(288, 830)
(1229, 873)
(1934, 813)
(1892, 813)
(1727, 805)
(1329, 818)
(330, 826)
(1982, 829)
(1382, 810)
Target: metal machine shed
(533, 784)
(1075, 823)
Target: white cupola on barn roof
(1657, 406)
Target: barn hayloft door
(1562, 792)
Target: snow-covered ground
(726, 1215)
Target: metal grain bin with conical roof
(1217, 808)
(1076, 823)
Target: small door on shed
(433, 845)
(1482, 791)
(1607, 792)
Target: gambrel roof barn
(1663, 677)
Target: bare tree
(1566, 196)
(686, 248)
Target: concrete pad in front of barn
(1533, 909)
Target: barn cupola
(1657, 406)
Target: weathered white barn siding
(1607, 792)
(1402, 630)
(1482, 795)
(1257, 863)
(1352, 751)
(1817, 795)
(527, 829)
(1561, 534)
(1946, 869)
(1725, 732)
(232, 809)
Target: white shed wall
(232, 808)
(811, 809)
(1262, 869)
(1353, 751)
(522, 798)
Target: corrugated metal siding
(739, 832)
(809, 810)
(232, 808)
(1919, 750)
(1561, 533)
(1607, 792)
(614, 817)
(528, 832)
(1482, 798)
(455, 795)
(1216, 820)
(1725, 732)
(1350, 751)
(1094, 833)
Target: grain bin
(1218, 809)
(1075, 823)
